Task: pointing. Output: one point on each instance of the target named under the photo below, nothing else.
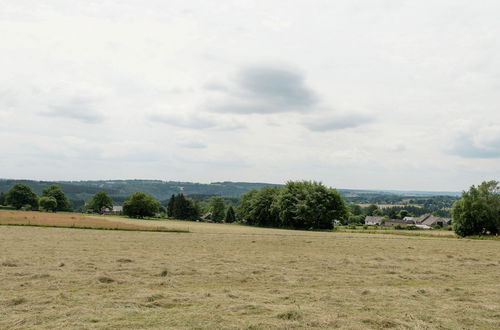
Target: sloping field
(236, 277)
(76, 220)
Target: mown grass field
(221, 276)
(75, 220)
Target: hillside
(81, 191)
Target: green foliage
(298, 205)
(48, 204)
(140, 205)
(55, 191)
(355, 209)
(230, 215)
(180, 207)
(371, 210)
(100, 201)
(404, 213)
(356, 219)
(310, 205)
(21, 195)
(259, 207)
(478, 211)
(3, 197)
(217, 207)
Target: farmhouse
(116, 210)
(430, 220)
(395, 222)
(371, 220)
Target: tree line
(297, 205)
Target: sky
(367, 94)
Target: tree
(310, 205)
(217, 207)
(180, 207)
(259, 207)
(170, 206)
(140, 205)
(100, 201)
(230, 216)
(22, 195)
(2, 198)
(371, 209)
(55, 191)
(478, 211)
(403, 214)
(48, 204)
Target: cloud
(77, 108)
(193, 145)
(336, 122)
(265, 89)
(471, 141)
(192, 121)
(196, 121)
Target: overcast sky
(355, 93)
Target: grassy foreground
(229, 276)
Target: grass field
(230, 276)
(74, 220)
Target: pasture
(221, 276)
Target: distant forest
(80, 192)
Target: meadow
(222, 276)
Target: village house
(116, 210)
(375, 221)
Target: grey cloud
(267, 89)
(190, 121)
(196, 121)
(76, 108)
(336, 122)
(193, 145)
(215, 87)
(465, 145)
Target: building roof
(373, 220)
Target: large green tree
(478, 211)
(55, 191)
(217, 207)
(48, 204)
(310, 205)
(140, 205)
(230, 215)
(2, 198)
(259, 207)
(100, 201)
(180, 207)
(22, 195)
(298, 205)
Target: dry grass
(30, 218)
(229, 276)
